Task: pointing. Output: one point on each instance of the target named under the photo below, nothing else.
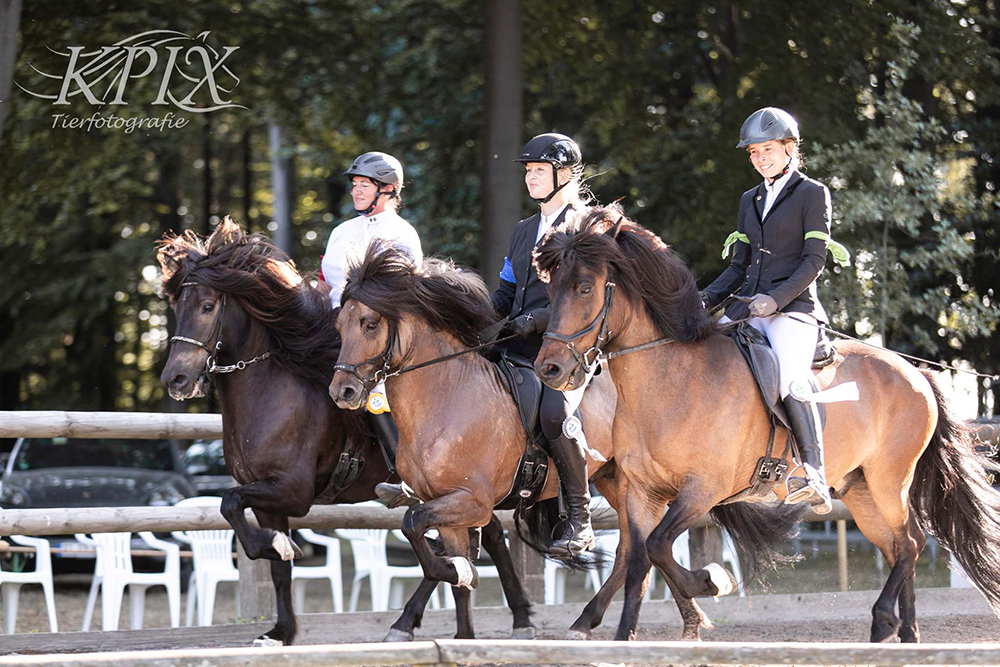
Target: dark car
(206, 467)
(73, 472)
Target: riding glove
(523, 325)
(763, 306)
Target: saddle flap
(763, 364)
(525, 387)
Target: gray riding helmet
(768, 124)
(377, 166)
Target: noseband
(213, 351)
(380, 374)
(584, 361)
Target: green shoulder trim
(731, 240)
(839, 251)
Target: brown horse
(689, 428)
(460, 436)
(246, 316)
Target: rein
(383, 373)
(213, 352)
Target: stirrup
(582, 539)
(396, 495)
(809, 488)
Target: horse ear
(617, 227)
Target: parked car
(206, 467)
(74, 472)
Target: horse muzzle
(348, 394)
(555, 374)
(181, 387)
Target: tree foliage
(897, 100)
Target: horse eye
(586, 289)
(207, 307)
(371, 326)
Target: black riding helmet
(556, 149)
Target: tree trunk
(10, 19)
(281, 186)
(501, 179)
(206, 211)
(247, 181)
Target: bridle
(213, 350)
(385, 356)
(584, 362)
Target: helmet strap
(555, 187)
(378, 193)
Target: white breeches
(793, 339)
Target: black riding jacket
(773, 255)
(520, 290)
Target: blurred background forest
(898, 100)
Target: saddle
(763, 363)
(518, 373)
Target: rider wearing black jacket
(553, 167)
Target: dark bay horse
(244, 312)
(689, 427)
(460, 436)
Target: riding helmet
(768, 124)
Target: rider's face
(768, 158)
(363, 192)
(538, 178)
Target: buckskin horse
(247, 318)
(689, 427)
(460, 435)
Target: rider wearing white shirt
(376, 182)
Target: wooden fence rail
(66, 521)
(507, 652)
(140, 425)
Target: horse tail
(953, 500)
(536, 526)
(757, 531)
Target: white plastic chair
(329, 570)
(370, 560)
(113, 573)
(11, 582)
(212, 552)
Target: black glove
(523, 325)
(704, 300)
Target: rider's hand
(763, 306)
(523, 325)
(704, 300)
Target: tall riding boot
(393, 495)
(811, 486)
(571, 462)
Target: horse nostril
(178, 381)
(347, 393)
(550, 370)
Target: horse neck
(244, 394)
(415, 396)
(636, 327)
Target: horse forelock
(448, 298)
(643, 267)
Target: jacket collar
(795, 177)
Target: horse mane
(645, 268)
(447, 297)
(264, 281)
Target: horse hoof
(264, 640)
(577, 635)
(286, 549)
(398, 636)
(465, 570)
(523, 633)
(720, 577)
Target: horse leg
(872, 522)
(615, 490)
(456, 509)
(691, 504)
(284, 630)
(456, 544)
(413, 613)
(908, 630)
(642, 514)
(513, 590)
(271, 496)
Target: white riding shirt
(349, 241)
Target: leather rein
(213, 350)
